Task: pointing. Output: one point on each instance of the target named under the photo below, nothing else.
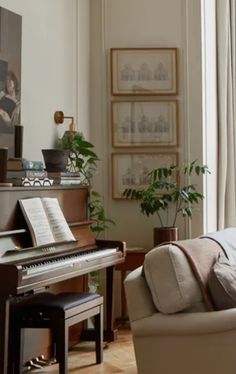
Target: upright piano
(25, 268)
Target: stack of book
(65, 177)
(19, 169)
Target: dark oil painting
(10, 76)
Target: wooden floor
(118, 358)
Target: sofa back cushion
(171, 281)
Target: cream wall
(61, 37)
(55, 68)
(146, 23)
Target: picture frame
(144, 123)
(130, 170)
(144, 71)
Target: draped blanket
(201, 254)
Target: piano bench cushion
(70, 300)
(47, 303)
(21, 303)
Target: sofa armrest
(138, 296)
(186, 323)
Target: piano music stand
(57, 312)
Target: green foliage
(165, 192)
(82, 156)
(84, 159)
(97, 214)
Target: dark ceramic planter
(164, 234)
(56, 159)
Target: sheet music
(56, 219)
(37, 221)
(46, 221)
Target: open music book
(45, 220)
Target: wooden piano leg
(4, 329)
(110, 333)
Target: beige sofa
(172, 331)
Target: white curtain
(226, 74)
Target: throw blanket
(227, 240)
(201, 254)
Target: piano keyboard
(68, 260)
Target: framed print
(144, 123)
(144, 71)
(130, 170)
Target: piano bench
(57, 312)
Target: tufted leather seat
(57, 312)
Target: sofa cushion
(171, 280)
(222, 284)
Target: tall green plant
(84, 159)
(166, 191)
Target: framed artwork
(130, 170)
(144, 123)
(144, 71)
(10, 77)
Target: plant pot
(164, 234)
(56, 159)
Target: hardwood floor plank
(118, 358)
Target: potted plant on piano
(167, 195)
(82, 156)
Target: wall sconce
(59, 118)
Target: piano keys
(36, 267)
(24, 268)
